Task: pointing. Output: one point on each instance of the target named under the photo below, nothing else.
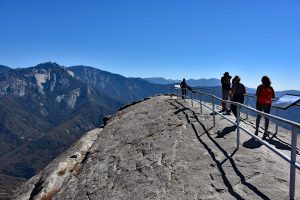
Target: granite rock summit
(163, 148)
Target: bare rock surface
(163, 148)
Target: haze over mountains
(192, 82)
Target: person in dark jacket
(265, 93)
(237, 95)
(183, 86)
(225, 81)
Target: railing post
(213, 107)
(200, 103)
(192, 99)
(276, 129)
(247, 102)
(293, 162)
(238, 127)
(177, 92)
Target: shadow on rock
(252, 144)
(225, 131)
(278, 144)
(180, 110)
(190, 113)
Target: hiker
(237, 95)
(183, 86)
(265, 93)
(225, 80)
(230, 95)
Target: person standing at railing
(183, 86)
(265, 93)
(237, 95)
(225, 81)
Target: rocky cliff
(163, 148)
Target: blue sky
(161, 38)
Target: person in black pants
(238, 91)
(183, 86)
(225, 81)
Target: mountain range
(44, 109)
(191, 82)
(4, 69)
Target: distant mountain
(204, 82)
(192, 82)
(116, 86)
(162, 81)
(4, 69)
(44, 109)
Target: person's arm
(273, 95)
(258, 90)
(233, 90)
(244, 88)
(222, 80)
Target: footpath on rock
(163, 148)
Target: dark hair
(266, 81)
(236, 79)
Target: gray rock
(162, 148)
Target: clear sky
(158, 38)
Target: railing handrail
(247, 94)
(274, 99)
(293, 123)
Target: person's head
(183, 79)
(226, 74)
(266, 81)
(236, 79)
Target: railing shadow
(218, 163)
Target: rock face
(163, 148)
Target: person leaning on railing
(237, 95)
(225, 81)
(265, 93)
(183, 86)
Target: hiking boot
(265, 136)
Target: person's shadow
(252, 144)
(221, 134)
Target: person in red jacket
(265, 93)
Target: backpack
(265, 95)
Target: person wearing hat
(225, 81)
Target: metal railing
(248, 96)
(295, 127)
